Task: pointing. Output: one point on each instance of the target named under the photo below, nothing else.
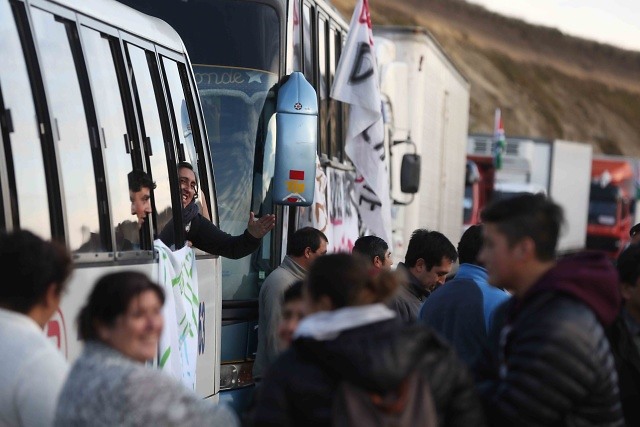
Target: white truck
(557, 168)
(426, 103)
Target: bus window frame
(71, 17)
(132, 122)
(24, 27)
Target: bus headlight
(236, 375)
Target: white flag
(356, 83)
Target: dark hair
(306, 237)
(371, 247)
(349, 280)
(140, 179)
(470, 245)
(528, 215)
(188, 165)
(293, 293)
(110, 298)
(431, 246)
(31, 265)
(634, 230)
(628, 265)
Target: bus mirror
(296, 142)
(472, 173)
(410, 174)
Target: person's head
(124, 311)
(628, 266)
(293, 310)
(36, 274)
(375, 249)
(140, 186)
(469, 245)
(634, 233)
(188, 183)
(307, 244)
(520, 238)
(341, 280)
(430, 257)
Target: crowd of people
(518, 336)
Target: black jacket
(557, 368)
(409, 298)
(299, 387)
(205, 236)
(627, 360)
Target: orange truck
(611, 204)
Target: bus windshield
(232, 101)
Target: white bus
(90, 90)
(240, 49)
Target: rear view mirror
(296, 142)
(410, 173)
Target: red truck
(478, 190)
(611, 204)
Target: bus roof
(127, 19)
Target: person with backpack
(354, 362)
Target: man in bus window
(32, 370)
(203, 234)
(140, 187)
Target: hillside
(548, 84)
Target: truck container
(426, 103)
(561, 169)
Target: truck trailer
(426, 105)
(560, 169)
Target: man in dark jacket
(624, 335)
(203, 234)
(556, 367)
(430, 257)
(462, 310)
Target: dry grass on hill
(548, 84)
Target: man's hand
(259, 227)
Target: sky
(615, 22)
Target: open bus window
(148, 96)
(71, 131)
(23, 142)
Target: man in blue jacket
(462, 309)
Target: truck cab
(611, 205)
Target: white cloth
(327, 325)
(356, 83)
(32, 372)
(179, 340)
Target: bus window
(307, 39)
(334, 144)
(323, 87)
(22, 148)
(117, 140)
(296, 38)
(184, 123)
(141, 63)
(70, 127)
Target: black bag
(411, 404)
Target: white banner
(179, 340)
(356, 83)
